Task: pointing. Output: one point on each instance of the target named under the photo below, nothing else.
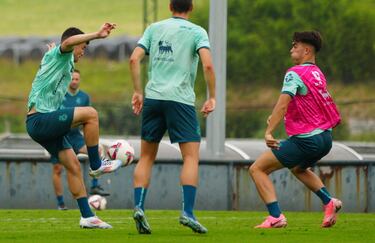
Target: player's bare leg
(142, 176)
(189, 182)
(259, 172)
(57, 185)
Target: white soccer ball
(122, 150)
(97, 202)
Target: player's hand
(208, 106)
(106, 29)
(137, 103)
(269, 119)
(51, 45)
(271, 142)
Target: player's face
(297, 52)
(79, 51)
(76, 78)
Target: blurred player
(75, 97)
(48, 125)
(175, 46)
(310, 115)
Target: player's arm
(277, 115)
(135, 70)
(209, 76)
(72, 41)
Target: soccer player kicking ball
(175, 46)
(48, 125)
(310, 115)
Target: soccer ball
(97, 202)
(121, 150)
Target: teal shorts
(50, 129)
(179, 119)
(304, 152)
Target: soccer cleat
(62, 207)
(141, 222)
(192, 224)
(330, 211)
(272, 222)
(98, 190)
(93, 223)
(107, 166)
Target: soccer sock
(324, 195)
(60, 200)
(94, 158)
(188, 195)
(139, 197)
(84, 207)
(94, 182)
(274, 209)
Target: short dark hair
(309, 37)
(181, 6)
(76, 71)
(70, 32)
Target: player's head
(181, 6)
(79, 50)
(305, 45)
(76, 79)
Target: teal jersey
(173, 46)
(293, 85)
(80, 98)
(52, 80)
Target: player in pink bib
(310, 115)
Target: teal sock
(274, 209)
(94, 158)
(84, 207)
(94, 183)
(139, 197)
(188, 195)
(324, 195)
(60, 200)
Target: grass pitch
(228, 226)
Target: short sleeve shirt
(173, 46)
(51, 82)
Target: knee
(57, 170)
(74, 168)
(253, 169)
(92, 113)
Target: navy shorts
(304, 152)
(50, 129)
(76, 139)
(179, 119)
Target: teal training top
(52, 80)
(173, 46)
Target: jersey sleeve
(292, 84)
(201, 39)
(56, 53)
(145, 41)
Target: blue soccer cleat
(192, 224)
(141, 222)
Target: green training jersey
(51, 81)
(173, 46)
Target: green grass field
(228, 226)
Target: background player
(75, 97)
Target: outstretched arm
(273, 121)
(209, 76)
(72, 41)
(135, 69)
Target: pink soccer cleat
(330, 211)
(272, 222)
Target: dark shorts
(179, 119)
(303, 152)
(50, 129)
(76, 139)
